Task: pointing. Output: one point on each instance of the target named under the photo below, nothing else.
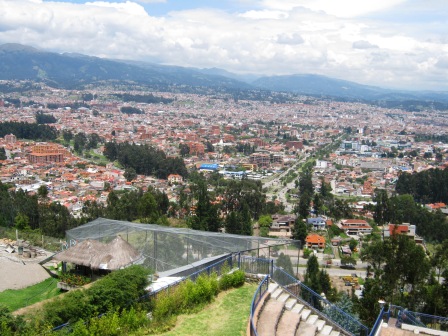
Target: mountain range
(71, 70)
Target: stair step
(283, 297)
(305, 313)
(312, 319)
(319, 324)
(276, 293)
(290, 303)
(272, 287)
(306, 329)
(335, 333)
(269, 317)
(298, 308)
(326, 330)
(288, 324)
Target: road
(282, 190)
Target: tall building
(44, 152)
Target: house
(315, 241)
(318, 223)
(435, 206)
(175, 178)
(405, 229)
(355, 226)
(282, 226)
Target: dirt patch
(339, 284)
(17, 275)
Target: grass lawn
(228, 315)
(18, 298)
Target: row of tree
(147, 98)
(145, 160)
(35, 212)
(428, 186)
(401, 273)
(43, 118)
(214, 203)
(32, 131)
(432, 226)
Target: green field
(18, 298)
(228, 315)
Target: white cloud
(361, 44)
(340, 8)
(280, 37)
(290, 39)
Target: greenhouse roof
(166, 248)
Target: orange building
(315, 241)
(42, 153)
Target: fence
(261, 290)
(34, 238)
(217, 268)
(335, 315)
(417, 319)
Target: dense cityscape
(331, 175)
(258, 168)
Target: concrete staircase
(282, 315)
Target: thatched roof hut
(96, 255)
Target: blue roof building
(209, 166)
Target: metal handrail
(378, 322)
(261, 290)
(353, 326)
(417, 319)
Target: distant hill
(72, 70)
(316, 85)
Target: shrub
(119, 289)
(71, 307)
(10, 324)
(238, 277)
(225, 282)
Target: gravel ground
(17, 275)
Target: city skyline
(399, 44)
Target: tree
(42, 118)
(382, 212)
(22, 222)
(312, 274)
(130, 174)
(368, 303)
(401, 266)
(352, 244)
(264, 223)
(184, 149)
(80, 142)
(231, 223)
(305, 182)
(147, 208)
(325, 189)
(67, 135)
(2, 153)
(300, 230)
(199, 221)
(42, 191)
(439, 259)
(345, 304)
(317, 204)
(303, 208)
(284, 262)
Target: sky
(389, 43)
